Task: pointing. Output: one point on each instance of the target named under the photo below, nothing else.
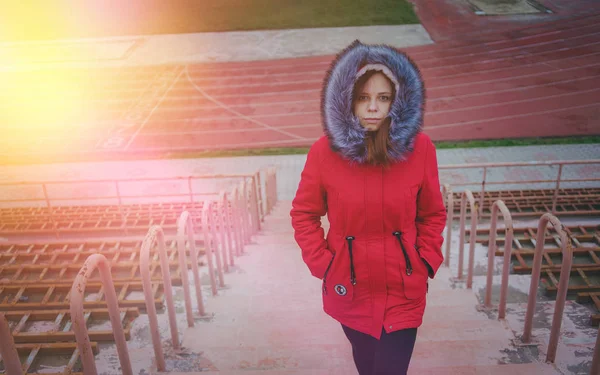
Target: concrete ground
(202, 47)
(268, 319)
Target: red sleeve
(308, 206)
(431, 213)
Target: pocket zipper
(409, 268)
(326, 272)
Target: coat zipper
(326, 272)
(409, 269)
(352, 274)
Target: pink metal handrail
(140, 179)
(508, 238)
(565, 271)
(467, 195)
(447, 192)
(244, 211)
(155, 234)
(237, 223)
(557, 181)
(184, 223)
(8, 351)
(208, 248)
(219, 233)
(271, 188)
(225, 225)
(254, 202)
(259, 198)
(79, 326)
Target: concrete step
(510, 369)
(269, 320)
(520, 369)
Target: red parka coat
(385, 230)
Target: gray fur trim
(343, 129)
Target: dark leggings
(388, 356)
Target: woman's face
(373, 102)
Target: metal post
(482, 196)
(261, 211)
(449, 219)
(461, 240)
(565, 271)
(508, 236)
(237, 221)
(181, 224)
(243, 211)
(211, 230)
(225, 230)
(556, 189)
(227, 223)
(208, 246)
(10, 356)
(254, 206)
(195, 269)
(79, 327)
(155, 234)
(472, 237)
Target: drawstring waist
(349, 240)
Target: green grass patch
(300, 14)
(137, 17)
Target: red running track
(524, 76)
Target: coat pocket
(337, 287)
(415, 284)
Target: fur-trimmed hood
(343, 128)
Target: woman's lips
(372, 120)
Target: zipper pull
(409, 269)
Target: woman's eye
(385, 98)
(363, 97)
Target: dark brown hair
(376, 142)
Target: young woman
(375, 175)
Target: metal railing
(485, 167)
(236, 221)
(79, 326)
(467, 196)
(225, 230)
(566, 250)
(449, 200)
(225, 233)
(155, 235)
(508, 239)
(184, 224)
(211, 250)
(567, 259)
(251, 194)
(561, 296)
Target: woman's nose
(372, 105)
